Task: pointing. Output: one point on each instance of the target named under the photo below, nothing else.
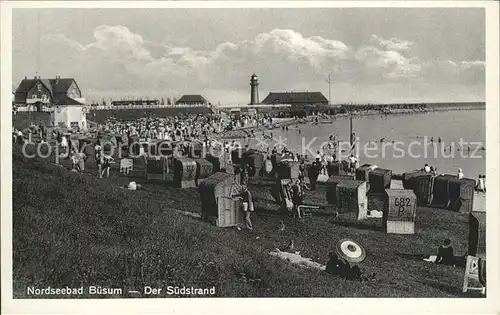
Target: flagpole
(350, 130)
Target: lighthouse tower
(254, 90)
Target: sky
(383, 55)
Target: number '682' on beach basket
(400, 211)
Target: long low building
(256, 106)
(192, 99)
(296, 98)
(135, 102)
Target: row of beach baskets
(370, 189)
(443, 191)
(187, 172)
(350, 196)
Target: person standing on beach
(81, 161)
(74, 161)
(64, 141)
(106, 165)
(352, 164)
(481, 187)
(313, 174)
(98, 158)
(435, 172)
(247, 206)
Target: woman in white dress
(64, 142)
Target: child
(81, 161)
(74, 161)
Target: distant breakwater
(400, 112)
(245, 132)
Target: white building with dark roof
(48, 92)
(61, 95)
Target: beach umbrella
(350, 250)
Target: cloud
(393, 43)
(387, 64)
(118, 59)
(462, 72)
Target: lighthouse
(254, 90)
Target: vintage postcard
(159, 156)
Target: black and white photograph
(248, 151)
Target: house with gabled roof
(62, 95)
(48, 92)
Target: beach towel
(297, 259)
(375, 214)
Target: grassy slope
(23, 119)
(72, 229)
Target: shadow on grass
(322, 214)
(414, 257)
(456, 291)
(374, 226)
(276, 211)
(460, 261)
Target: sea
(412, 135)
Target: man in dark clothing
(313, 174)
(297, 197)
(338, 266)
(445, 254)
(59, 137)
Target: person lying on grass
(340, 267)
